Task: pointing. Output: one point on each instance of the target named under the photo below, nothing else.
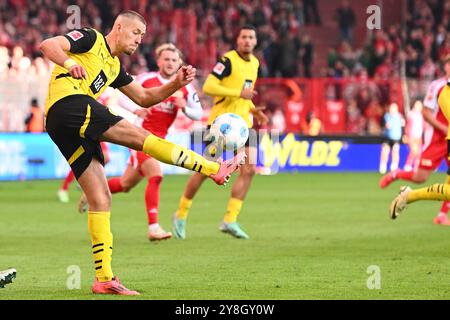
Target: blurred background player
(393, 124)
(231, 82)
(7, 276)
(312, 125)
(413, 136)
(157, 120)
(434, 145)
(34, 122)
(438, 191)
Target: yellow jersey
(88, 48)
(229, 77)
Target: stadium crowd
(24, 24)
(284, 49)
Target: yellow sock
(438, 191)
(183, 207)
(233, 209)
(102, 241)
(168, 152)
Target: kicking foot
(228, 167)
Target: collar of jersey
(107, 46)
(237, 52)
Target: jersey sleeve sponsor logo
(75, 35)
(219, 68)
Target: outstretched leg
(126, 134)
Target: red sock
(445, 207)
(115, 185)
(70, 177)
(405, 175)
(152, 198)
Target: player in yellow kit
(438, 191)
(231, 82)
(86, 63)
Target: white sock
(153, 227)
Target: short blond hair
(168, 47)
(133, 15)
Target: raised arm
(55, 49)
(146, 97)
(213, 85)
(76, 41)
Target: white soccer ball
(232, 131)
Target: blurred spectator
(311, 13)
(23, 25)
(374, 115)
(277, 120)
(286, 57)
(363, 99)
(412, 62)
(306, 55)
(384, 71)
(355, 122)
(35, 120)
(428, 70)
(312, 125)
(346, 19)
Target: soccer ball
(230, 130)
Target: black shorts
(391, 142)
(75, 124)
(211, 151)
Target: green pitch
(313, 236)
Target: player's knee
(157, 179)
(126, 188)
(102, 201)
(420, 178)
(137, 137)
(248, 171)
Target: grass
(313, 236)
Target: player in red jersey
(157, 120)
(435, 144)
